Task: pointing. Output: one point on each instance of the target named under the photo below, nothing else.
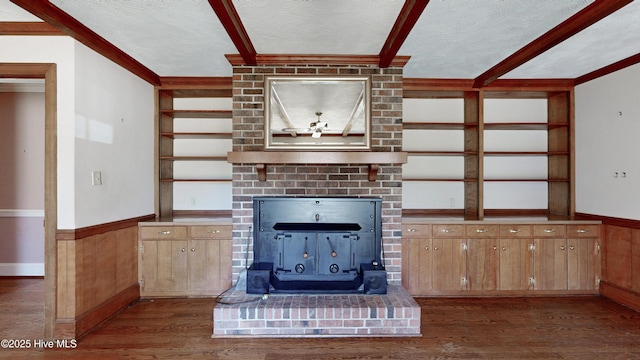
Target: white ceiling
(451, 39)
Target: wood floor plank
(452, 328)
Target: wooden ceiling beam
(38, 28)
(586, 17)
(72, 27)
(409, 15)
(619, 65)
(232, 23)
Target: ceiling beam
(586, 17)
(315, 59)
(406, 20)
(230, 20)
(72, 27)
(38, 28)
(619, 65)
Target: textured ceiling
(451, 38)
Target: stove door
(335, 255)
(298, 254)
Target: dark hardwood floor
(487, 328)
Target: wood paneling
(96, 275)
(616, 262)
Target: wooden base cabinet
(181, 260)
(479, 259)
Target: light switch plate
(96, 178)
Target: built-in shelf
(437, 125)
(263, 158)
(196, 114)
(196, 135)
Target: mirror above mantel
(317, 113)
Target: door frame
(48, 72)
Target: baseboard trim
(620, 295)
(21, 269)
(84, 323)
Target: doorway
(46, 71)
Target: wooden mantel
(263, 158)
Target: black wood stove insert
(317, 245)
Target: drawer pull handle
(514, 231)
(412, 230)
(164, 232)
(446, 231)
(480, 231)
(582, 231)
(215, 231)
(549, 231)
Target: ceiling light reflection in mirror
(317, 113)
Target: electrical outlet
(96, 178)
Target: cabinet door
(583, 269)
(449, 264)
(209, 266)
(418, 266)
(550, 264)
(482, 264)
(164, 266)
(515, 264)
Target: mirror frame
(270, 144)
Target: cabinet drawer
(421, 231)
(482, 231)
(210, 232)
(549, 231)
(163, 232)
(583, 231)
(450, 231)
(515, 231)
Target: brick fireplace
(319, 315)
(318, 179)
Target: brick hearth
(241, 314)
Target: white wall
(58, 50)
(607, 129)
(105, 123)
(114, 117)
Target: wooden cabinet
(483, 259)
(434, 258)
(184, 260)
(550, 257)
(583, 257)
(515, 264)
(417, 255)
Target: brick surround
(318, 179)
(322, 180)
